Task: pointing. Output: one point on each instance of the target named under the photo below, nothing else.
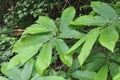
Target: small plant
(41, 38)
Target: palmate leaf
(104, 10)
(62, 48)
(44, 58)
(102, 74)
(90, 20)
(67, 16)
(78, 43)
(26, 47)
(108, 38)
(85, 51)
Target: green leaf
(85, 51)
(62, 48)
(67, 16)
(30, 41)
(75, 65)
(90, 20)
(13, 74)
(24, 55)
(115, 58)
(71, 34)
(49, 78)
(3, 78)
(76, 45)
(92, 65)
(116, 24)
(117, 77)
(44, 58)
(36, 28)
(26, 74)
(26, 47)
(104, 10)
(114, 69)
(84, 75)
(102, 74)
(108, 38)
(47, 23)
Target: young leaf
(36, 28)
(90, 20)
(62, 48)
(102, 74)
(47, 23)
(49, 78)
(67, 16)
(104, 10)
(44, 58)
(13, 74)
(26, 74)
(108, 38)
(85, 51)
(84, 75)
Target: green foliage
(105, 34)
(24, 13)
(102, 73)
(33, 42)
(6, 44)
(84, 75)
(66, 18)
(61, 47)
(91, 21)
(93, 55)
(104, 10)
(85, 51)
(17, 74)
(108, 40)
(44, 58)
